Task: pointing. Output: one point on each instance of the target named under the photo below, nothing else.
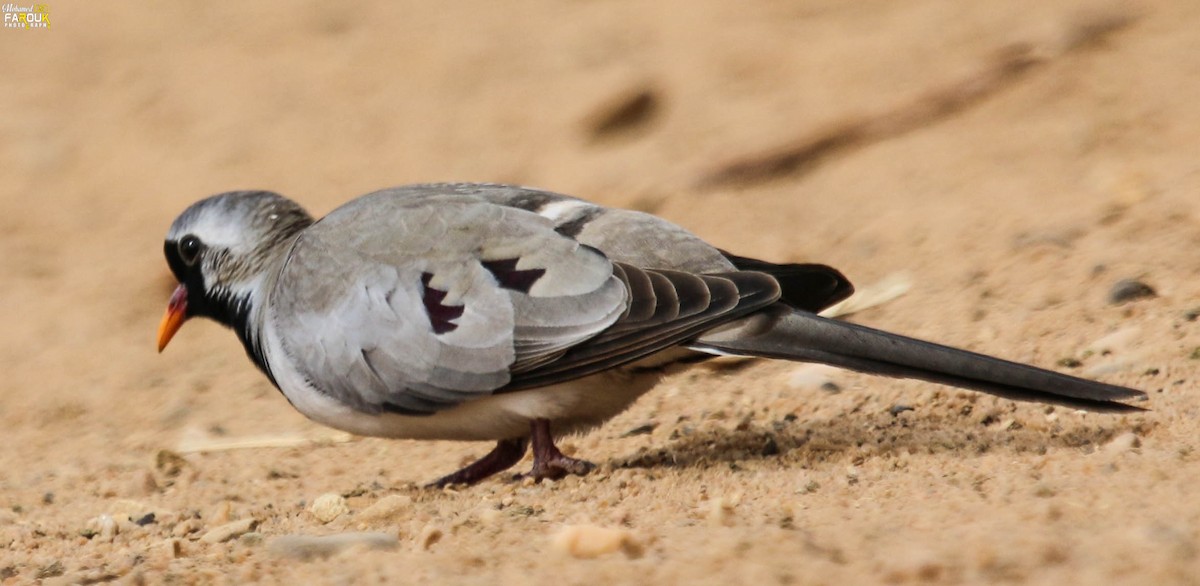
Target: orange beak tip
(174, 317)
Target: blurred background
(1014, 159)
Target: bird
(514, 315)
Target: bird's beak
(174, 318)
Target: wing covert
(400, 324)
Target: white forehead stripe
(216, 230)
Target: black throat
(219, 305)
(239, 321)
(234, 313)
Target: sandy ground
(1013, 210)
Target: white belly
(572, 407)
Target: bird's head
(221, 250)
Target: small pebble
(306, 547)
(146, 485)
(1128, 290)
(1120, 341)
(592, 541)
(1109, 367)
(385, 508)
(157, 559)
(720, 512)
(130, 508)
(489, 516)
(169, 463)
(641, 430)
(50, 570)
(430, 535)
(852, 476)
(632, 108)
(187, 527)
(328, 507)
(168, 550)
(898, 409)
(1123, 443)
(221, 514)
(813, 377)
(770, 447)
(229, 531)
(104, 527)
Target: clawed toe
(557, 468)
(548, 461)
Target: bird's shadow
(861, 437)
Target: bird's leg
(548, 462)
(506, 453)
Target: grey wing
(627, 236)
(410, 306)
(414, 303)
(666, 308)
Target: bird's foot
(560, 467)
(506, 453)
(548, 461)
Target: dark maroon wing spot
(509, 277)
(440, 316)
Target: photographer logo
(32, 16)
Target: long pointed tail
(806, 337)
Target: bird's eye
(189, 249)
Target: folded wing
(461, 298)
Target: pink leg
(548, 461)
(502, 457)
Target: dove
(489, 312)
